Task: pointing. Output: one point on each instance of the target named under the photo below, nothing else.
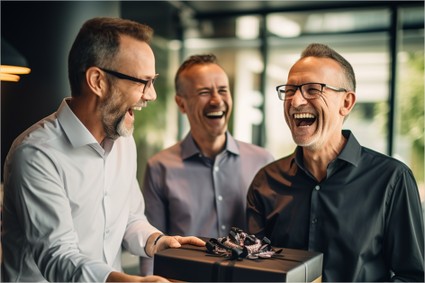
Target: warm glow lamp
(13, 63)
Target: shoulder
(34, 150)
(388, 173)
(370, 161)
(280, 165)
(276, 169)
(252, 150)
(372, 158)
(172, 152)
(271, 177)
(38, 137)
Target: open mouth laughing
(137, 107)
(304, 119)
(215, 114)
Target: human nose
(215, 98)
(150, 94)
(298, 98)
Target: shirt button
(223, 227)
(216, 169)
(314, 221)
(220, 198)
(317, 187)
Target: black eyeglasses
(147, 83)
(308, 90)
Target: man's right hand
(123, 277)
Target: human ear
(348, 103)
(180, 103)
(96, 80)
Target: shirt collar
(351, 152)
(76, 132)
(189, 147)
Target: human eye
(223, 91)
(139, 83)
(289, 90)
(204, 92)
(312, 89)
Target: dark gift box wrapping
(194, 264)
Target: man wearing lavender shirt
(199, 185)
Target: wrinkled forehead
(204, 75)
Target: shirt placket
(314, 218)
(107, 209)
(222, 227)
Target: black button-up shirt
(365, 216)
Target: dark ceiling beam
(294, 6)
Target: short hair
(324, 51)
(97, 44)
(193, 60)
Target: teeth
(140, 105)
(214, 114)
(304, 116)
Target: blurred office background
(256, 42)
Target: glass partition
(409, 102)
(257, 51)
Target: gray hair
(324, 51)
(97, 44)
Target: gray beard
(122, 130)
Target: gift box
(193, 264)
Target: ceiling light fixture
(13, 63)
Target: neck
(86, 111)
(317, 160)
(210, 147)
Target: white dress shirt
(69, 203)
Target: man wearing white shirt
(71, 197)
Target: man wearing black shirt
(358, 207)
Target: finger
(191, 240)
(174, 242)
(153, 278)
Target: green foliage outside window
(150, 122)
(411, 107)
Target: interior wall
(43, 32)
